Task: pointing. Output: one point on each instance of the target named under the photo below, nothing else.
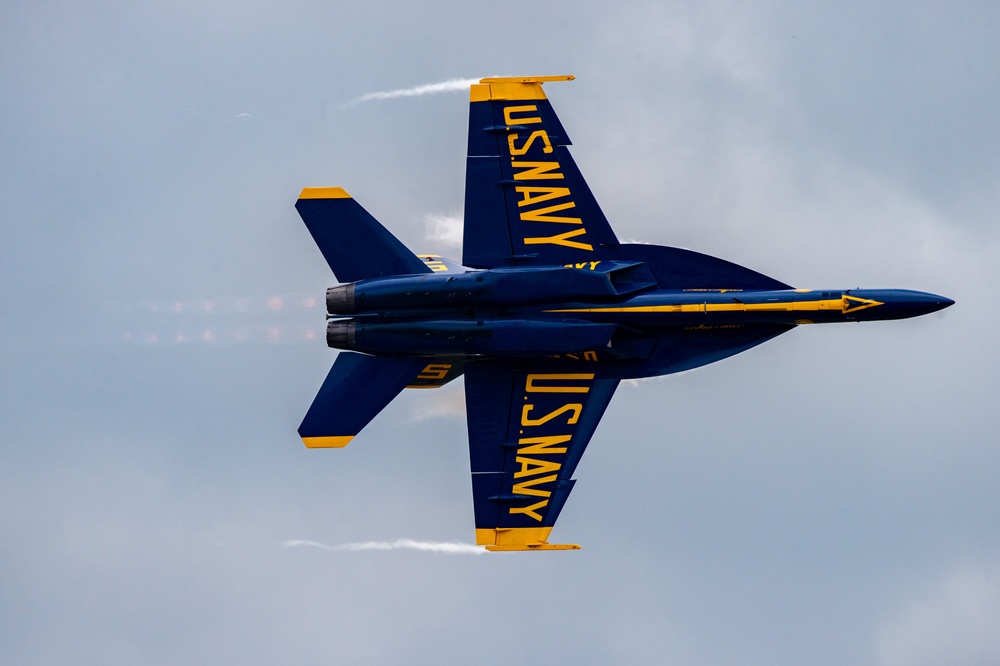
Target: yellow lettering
(531, 386)
(533, 466)
(528, 487)
(575, 407)
(537, 134)
(543, 446)
(589, 356)
(533, 195)
(529, 510)
(435, 371)
(433, 262)
(562, 239)
(593, 265)
(541, 214)
(509, 111)
(536, 170)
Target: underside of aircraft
(545, 315)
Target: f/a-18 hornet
(547, 313)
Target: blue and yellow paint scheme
(545, 315)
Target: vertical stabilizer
(354, 392)
(353, 242)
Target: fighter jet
(545, 315)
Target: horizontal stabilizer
(353, 242)
(356, 389)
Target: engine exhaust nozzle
(340, 299)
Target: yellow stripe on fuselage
(835, 304)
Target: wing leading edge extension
(528, 428)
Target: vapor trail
(451, 85)
(447, 548)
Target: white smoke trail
(448, 548)
(451, 85)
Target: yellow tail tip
(326, 442)
(324, 193)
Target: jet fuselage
(501, 313)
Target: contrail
(451, 85)
(448, 548)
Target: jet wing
(528, 427)
(525, 199)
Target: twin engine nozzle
(340, 299)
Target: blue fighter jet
(546, 315)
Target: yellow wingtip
(512, 87)
(527, 79)
(541, 545)
(500, 539)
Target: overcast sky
(830, 497)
